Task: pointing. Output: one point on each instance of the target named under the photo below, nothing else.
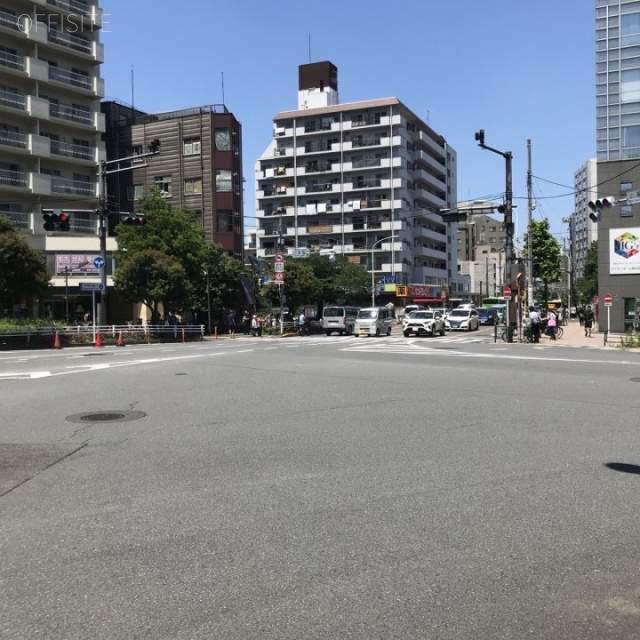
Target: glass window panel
(630, 85)
(223, 179)
(626, 210)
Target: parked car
(464, 320)
(424, 323)
(340, 319)
(488, 315)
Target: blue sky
(519, 70)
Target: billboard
(624, 251)
(76, 263)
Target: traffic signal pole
(103, 172)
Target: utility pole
(508, 218)
(529, 229)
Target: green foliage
(301, 284)
(546, 253)
(179, 260)
(23, 270)
(152, 277)
(587, 285)
(630, 340)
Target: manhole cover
(107, 416)
(102, 417)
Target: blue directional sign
(91, 286)
(387, 280)
(98, 262)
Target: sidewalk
(574, 336)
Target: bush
(631, 339)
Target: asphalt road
(320, 488)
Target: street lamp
(373, 285)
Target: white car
(464, 320)
(445, 317)
(423, 323)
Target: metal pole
(66, 295)
(208, 303)
(529, 225)
(102, 231)
(373, 266)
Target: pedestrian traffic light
(502, 209)
(536, 269)
(598, 205)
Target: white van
(339, 318)
(374, 321)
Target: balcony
(93, 14)
(74, 187)
(13, 139)
(68, 112)
(17, 179)
(12, 61)
(76, 151)
(9, 20)
(12, 100)
(83, 82)
(19, 219)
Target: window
(223, 179)
(222, 139)
(626, 210)
(630, 85)
(135, 192)
(630, 29)
(164, 184)
(191, 146)
(626, 186)
(225, 221)
(192, 186)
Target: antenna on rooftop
(133, 108)
(309, 47)
(222, 74)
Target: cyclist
(303, 324)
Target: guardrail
(78, 335)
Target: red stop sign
(506, 292)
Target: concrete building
(50, 137)
(199, 166)
(582, 230)
(348, 177)
(618, 154)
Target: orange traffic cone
(120, 342)
(98, 340)
(56, 342)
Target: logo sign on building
(76, 263)
(624, 251)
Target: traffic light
(50, 220)
(135, 220)
(502, 208)
(597, 206)
(480, 137)
(64, 222)
(536, 269)
(56, 221)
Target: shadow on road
(623, 467)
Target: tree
(546, 255)
(172, 233)
(587, 285)
(300, 284)
(340, 280)
(23, 270)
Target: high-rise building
(50, 129)
(582, 229)
(364, 179)
(199, 167)
(618, 154)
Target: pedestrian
(260, 323)
(581, 316)
(246, 323)
(302, 323)
(231, 324)
(534, 318)
(588, 321)
(563, 314)
(254, 325)
(552, 321)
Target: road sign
(506, 293)
(278, 276)
(278, 267)
(607, 300)
(98, 262)
(278, 257)
(633, 197)
(387, 280)
(265, 279)
(91, 286)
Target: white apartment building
(50, 133)
(365, 179)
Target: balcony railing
(81, 8)
(366, 162)
(368, 141)
(13, 139)
(19, 219)
(67, 40)
(13, 178)
(71, 150)
(12, 99)
(9, 20)
(11, 60)
(70, 77)
(77, 187)
(67, 112)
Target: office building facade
(50, 132)
(618, 153)
(364, 179)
